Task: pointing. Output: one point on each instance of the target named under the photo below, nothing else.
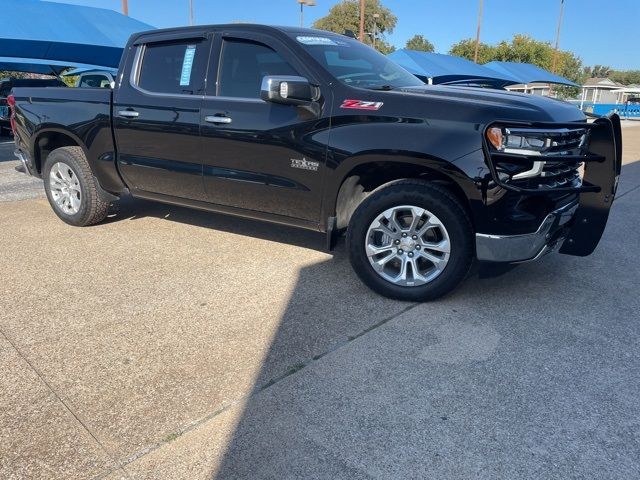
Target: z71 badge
(304, 164)
(361, 105)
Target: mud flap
(593, 209)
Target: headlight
(517, 142)
(522, 143)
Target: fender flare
(438, 166)
(38, 134)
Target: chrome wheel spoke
(402, 276)
(442, 246)
(373, 250)
(438, 262)
(418, 213)
(432, 222)
(75, 202)
(380, 263)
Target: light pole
(125, 7)
(376, 16)
(555, 52)
(190, 12)
(305, 3)
(475, 54)
(361, 35)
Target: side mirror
(289, 90)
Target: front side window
(174, 67)
(243, 65)
(356, 64)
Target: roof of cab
(236, 26)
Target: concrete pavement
(14, 184)
(168, 343)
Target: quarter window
(244, 64)
(174, 67)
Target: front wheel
(71, 188)
(411, 240)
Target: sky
(599, 31)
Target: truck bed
(45, 116)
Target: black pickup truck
(316, 130)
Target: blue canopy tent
(44, 67)
(42, 33)
(527, 73)
(437, 68)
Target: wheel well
(366, 178)
(47, 143)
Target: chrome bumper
(530, 246)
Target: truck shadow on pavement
(134, 209)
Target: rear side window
(174, 67)
(244, 64)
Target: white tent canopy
(627, 90)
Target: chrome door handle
(128, 113)
(217, 119)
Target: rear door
(157, 115)
(257, 155)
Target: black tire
(434, 198)
(92, 209)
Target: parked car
(6, 84)
(316, 130)
(95, 79)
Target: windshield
(356, 64)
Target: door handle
(217, 119)
(128, 114)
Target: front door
(157, 117)
(260, 156)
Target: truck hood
(499, 104)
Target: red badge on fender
(361, 105)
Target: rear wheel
(411, 241)
(71, 187)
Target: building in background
(601, 90)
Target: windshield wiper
(381, 87)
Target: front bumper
(574, 229)
(530, 246)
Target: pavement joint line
(628, 191)
(226, 406)
(66, 406)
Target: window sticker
(187, 65)
(315, 40)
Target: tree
(524, 49)
(626, 77)
(597, 71)
(466, 49)
(346, 16)
(418, 42)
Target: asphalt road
(168, 343)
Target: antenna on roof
(349, 33)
